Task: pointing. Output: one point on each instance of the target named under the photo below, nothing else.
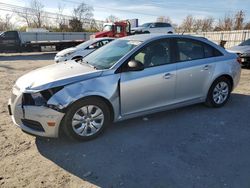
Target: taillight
(239, 60)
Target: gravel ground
(191, 147)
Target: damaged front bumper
(36, 120)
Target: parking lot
(191, 147)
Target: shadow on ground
(189, 147)
(26, 56)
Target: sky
(147, 11)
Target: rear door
(196, 63)
(152, 87)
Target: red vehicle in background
(115, 30)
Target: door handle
(206, 67)
(168, 76)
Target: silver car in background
(154, 27)
(81, 50)
(243, 51)
(129, 77)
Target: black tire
(72, 110)
(146, 32)
(210, 102)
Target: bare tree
(75, 25)
(198, 24)
(207, 24)
(25, 16)
(225, 24)
(33, 15)
(188, 24)
(8, 24)
(239, 20)
(112, 18)
(96, 25)
(60, 19)
(83, 13)
(38, 13)
(247, 25)
(5, 23)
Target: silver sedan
(129, 77)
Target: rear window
(9, 35)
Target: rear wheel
(219, 93)
(86, 119)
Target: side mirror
(134, 65)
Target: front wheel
(219, 93)
(86, 119)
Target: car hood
(66, 51)
(239, 49)
(56, 75)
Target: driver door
(153, 87)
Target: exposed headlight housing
(39, 98)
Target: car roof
(147, 37)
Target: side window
(95, 45)
(10, 35)
(118, 29)
(153, 25)
(104, 42)
(166, 25)
(154, 54)
(208, 50)
(190, 50)
(158, 24)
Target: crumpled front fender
(106, 87)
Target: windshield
(85, 44)
(107, 56)
(245, 43)
(146, 25)
(107, 28)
